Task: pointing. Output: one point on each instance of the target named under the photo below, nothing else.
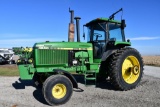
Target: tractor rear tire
(126, 69)
(57, 89)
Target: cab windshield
(97, 32)
(115, 31)
(102, 32)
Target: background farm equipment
(6, 56)
(24, 54)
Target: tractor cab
(103, 33)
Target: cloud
(9, 40)
(145, 38)
(8, 43)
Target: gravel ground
(152, 71)
(17, 93)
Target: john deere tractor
(105, 55)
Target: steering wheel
(97, 35)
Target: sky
(25, 22)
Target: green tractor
(106, 54)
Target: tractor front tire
(57, 89)
(126, 69)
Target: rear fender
(107, 54)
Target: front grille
(51, 56)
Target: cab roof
(100, 20)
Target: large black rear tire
(126, 69)
(57, 89)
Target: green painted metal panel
(122, 43)
(81, 54)
(95, 66)
(56, 53)
(51, 57)
(64, 45)
(97, 60)
(102, 20)
(25, 71)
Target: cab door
(98, 43)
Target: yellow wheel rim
(130, 69)
(59, 91)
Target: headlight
(18, 60)
(30, 60)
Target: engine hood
(63, 45)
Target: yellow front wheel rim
(59, 91)
(130, 69)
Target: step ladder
(90, 77)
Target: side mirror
(123, 24)
(84, 35)
(83, 32)
(128, 40)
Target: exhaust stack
(71, 27)
(78, 28)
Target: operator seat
(97, 50)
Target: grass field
(12, 70)
(9, 70)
